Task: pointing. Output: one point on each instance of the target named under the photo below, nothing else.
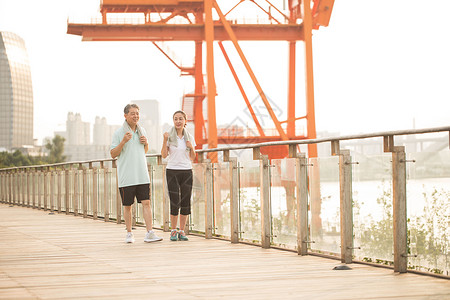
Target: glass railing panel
(197, 217)
(283, 203)
(222, 218)
(249, 201)
(324, 214)
(157, 193)
(428, 210)
(372, 208)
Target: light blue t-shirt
(131, 162)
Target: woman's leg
(173, 187)
(186, 191)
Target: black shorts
(140, 191)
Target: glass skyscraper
(16, 94)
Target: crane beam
(185, 32)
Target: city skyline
(377, 67)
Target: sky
(379, 66)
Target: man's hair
(127, 108)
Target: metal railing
(348, 205)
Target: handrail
(257, 145)
(331, 139)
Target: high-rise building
(16, 93)
(78, 132)
(103, 132)
(150, 119)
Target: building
(16, 94)
(103, 132)
(77, 131)
(78, 145)
(150, 119)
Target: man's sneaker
(129, 238)
(174, 235)
(182, 236)
(152, 237)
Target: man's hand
(127, 137)
(143, 140)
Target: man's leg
(127, 217)
(148, 218)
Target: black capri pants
(179, 184)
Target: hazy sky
(378, 66)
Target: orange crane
(192, 20)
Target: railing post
(45, 188)
(209, 204)
(22, 187)
(94, 192)
(166, 202)
(29, 182)
(76, 192)
(302, 203)
(51, 186)
(399, 209)
(265, 201)
(60, 174)
(39, 186)
(106, 184)
(234, 199)
(346, 210)
(85, 191)
(67, 194)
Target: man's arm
(116, 151)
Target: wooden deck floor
(57, 256)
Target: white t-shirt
(179, 156)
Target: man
(129, 144)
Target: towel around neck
(173, 140)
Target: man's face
(132, 116)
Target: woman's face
(179, 121)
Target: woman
(179, 145)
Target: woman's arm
(164, 149)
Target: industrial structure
(206, 21)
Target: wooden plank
(38, 260)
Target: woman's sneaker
(182, 236)
(174, 235)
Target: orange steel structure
(195, 22)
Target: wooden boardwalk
(57, 256)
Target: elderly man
(129, 144)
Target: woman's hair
(127, 108)
(180, 112)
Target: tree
(56, 149)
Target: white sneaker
(152, 237)
(129, 238)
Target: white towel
(173, 136)
(127, 128)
